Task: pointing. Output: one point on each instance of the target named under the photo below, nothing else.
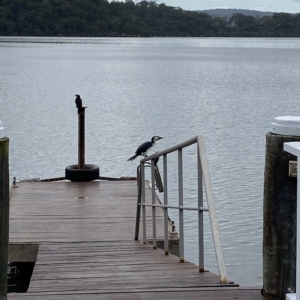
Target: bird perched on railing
(145, 147)
(78, 102)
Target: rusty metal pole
(81, 139)
(4, 215)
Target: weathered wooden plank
(114, 266)
(191, 294)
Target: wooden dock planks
(159, 294)
(87, 251)
(68, 211)
(111, 266)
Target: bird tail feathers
(132, 157)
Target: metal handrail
(203, 176)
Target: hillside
(101, 18)
(227, 13)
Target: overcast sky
(290, 6)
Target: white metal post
(153, 203)
(166, 220)
(200, 213)
(180, 205)
(212, 211)
(142, 174)
(294, 148)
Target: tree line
(100, 18)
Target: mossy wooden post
(4, 215)
(279, 211)
(294, 148)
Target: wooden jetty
(86, 248)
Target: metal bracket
(293, 168)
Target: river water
(227, 89)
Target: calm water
(228, 90)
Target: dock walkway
(85, 233)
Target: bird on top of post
(78, 102)
(145, 147)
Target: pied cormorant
(145, 147)
(78, 102)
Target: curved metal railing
(203, 176)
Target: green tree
(146, 18)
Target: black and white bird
(78, 102)
(145, 147)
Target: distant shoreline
(102, 40)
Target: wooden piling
(279, 219)
(4, 215)
(81, 139)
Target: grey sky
(290, 6)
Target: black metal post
(81, 139)
(4, 215)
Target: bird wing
(78, 102)
(143, 148)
